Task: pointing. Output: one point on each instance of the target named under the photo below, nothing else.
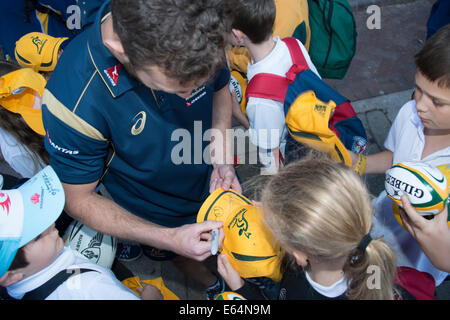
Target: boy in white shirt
(420, 132)
(252, 27)
(32, 252)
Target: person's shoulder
(408, 108)
(407, 111)
(74, 75)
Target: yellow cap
(249, 245)
(38, 51)
(308, 123)
(18, 94)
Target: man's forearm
(221, 123)
(104, 215)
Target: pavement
(378, 82)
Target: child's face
(42, 251)
(433, 104)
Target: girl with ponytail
(320, 212)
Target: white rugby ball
(97, 247)
(426, 186)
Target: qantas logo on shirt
(63, 150)
(113, 74)
(196, 95)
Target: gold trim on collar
(99, 73)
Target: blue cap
(28, 211)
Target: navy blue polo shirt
(97, 116)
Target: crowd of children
(329, 231)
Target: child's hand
(149, 292)
(433, 236)
(354, 158)
(227, 272)
(421, 228)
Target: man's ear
(115, 46)
(10, 277)
(301, 258)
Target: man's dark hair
(255, 18)
(185, 38)
(433, 61)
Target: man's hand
(194, 240)
(224, 176)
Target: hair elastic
(357, 257)
(364, 242)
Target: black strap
(42, 292)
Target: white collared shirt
(406, 140)
(101, 285)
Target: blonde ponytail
(322, 208)
(370, 273)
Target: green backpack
(333, 36)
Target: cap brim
(50, 64)
(33, 118)
(8, 249)
(43, 201)
(220, 204)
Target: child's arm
(235, 282)
(376, 163)
(228, 273)
(237, 112)
(433, 235)
(276, 156)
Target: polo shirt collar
(113, 73)
(415, 118)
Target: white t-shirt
(266, 117)
(18, 156)
(406, 140)
(102, 285)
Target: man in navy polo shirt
(119, 94)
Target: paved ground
(378, 82)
